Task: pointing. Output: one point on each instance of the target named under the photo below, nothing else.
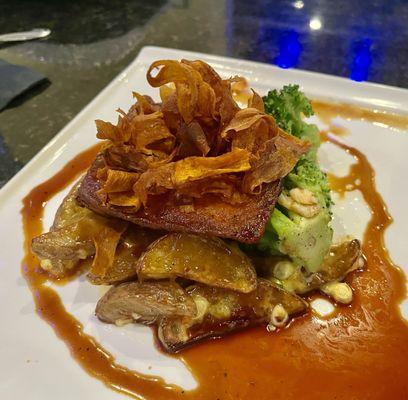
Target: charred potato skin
(169, 342)
(181, 321)
(144, 302)
(62, 244)
(61, 259)
(245, 310)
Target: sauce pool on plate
(359, 353)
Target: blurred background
(92, 41)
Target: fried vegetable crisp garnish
(196, 142)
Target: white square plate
(34, 363)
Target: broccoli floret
(305, 240)
(287, 106)
(308, 175)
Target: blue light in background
(361, 59)
(289, 50)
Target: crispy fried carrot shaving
(249, 129)
(105, 234)
(277, 157)
(196, 142)
(118, 187)
(256, 102)
(120, 181)
(117, 133)
(106, 240)
(197, 168)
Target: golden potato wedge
(59, 249)
(199, 258)
(73, 242)
(220, 311)
(70, 211)
(144, 302)
(342, 259)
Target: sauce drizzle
(361, 353)
(326, 111)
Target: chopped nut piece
(279, 316)
(322, 307)
(283, 270)
(303, 196)
(339, 291)
(359, 264)
(202, 306)
(123, 322)
(307, 211)
(46, 264)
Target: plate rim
(60, 149)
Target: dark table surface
(92, 41)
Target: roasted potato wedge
(220, 311)
(133, 243)
(342, 259)
(67, 243)
(72, 236)
(198, 258)
(70, 211)
(56, 258)
(144, 302)
(72, 243)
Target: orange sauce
(326, 111)
(361, 353)
(338, 129)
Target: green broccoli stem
(281, 224)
